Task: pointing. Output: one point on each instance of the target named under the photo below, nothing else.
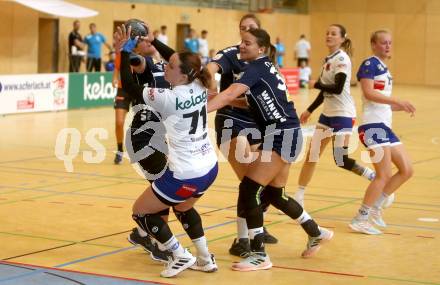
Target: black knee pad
(249, 203)
(249, 193)
(340, 154)
(265, 200)
(191, 222)
(154, 225)
(283, 202)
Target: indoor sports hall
(66, 206)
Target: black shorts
(151, 158)
(236, 120)
(122, 100)
(287, 141)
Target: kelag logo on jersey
(195, 100)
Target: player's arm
(227, 96)
(128, 83)
(367, 86)
(335, 88)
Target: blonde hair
(375, 35)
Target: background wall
(413, 23)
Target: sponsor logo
(379, 84)
(367, 63)
(270, 108)
(186, 191)
(98, 90)
(28, 103)
(195, 100)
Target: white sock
(301, 190)
(379, 202)
(141, 232)
(369, 173)
(242, 229)
(254, 232)
(303, 218)
(202, 247)
(363, 212)
(174, 246)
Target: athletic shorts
(172, 191)
(377, 134)
(122, 100)
(286, 142)
(339, 125)
(230, 122)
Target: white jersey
(302, 48)
(203, 47)
(305, 73)
(373, 68)
(338, 104)
(183, 112)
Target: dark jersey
(231, 65)
(153, 76)
(72, 37)
(267, 96)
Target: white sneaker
(205, 265)
(314, 243)
(255, 261)
(299, 198)
(363, 227)
(376, 217)
(388, 201)
(178, 264)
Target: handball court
(60, 227)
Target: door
(48, 45)
(182, 33)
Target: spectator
(110, 64)
(305, 73)
(162, 36)
(204, 47)
(76, 47)
(302, 50)
(94, 41)
(191, 42)
(280, 52)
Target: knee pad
(283, 202)
(340, 154)
(191, 222)
(265, 200)
(154, 225)
(249, 194)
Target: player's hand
(304, 118)
(407, 107)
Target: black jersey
(267, 95)
(153, 76)
(231, 65)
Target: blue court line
(38, 271)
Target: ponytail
(347, 46)
(205, 77)
(271, 53)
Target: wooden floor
(80, 220)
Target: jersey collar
(380, 61)
(327, 58)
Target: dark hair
(253, 17)
(191, 65)
(204, 32)
(92, 25)
(163, 27)
(376, 34)
(347, 44)
(76, 21)
(302, 36)
(263, 40)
